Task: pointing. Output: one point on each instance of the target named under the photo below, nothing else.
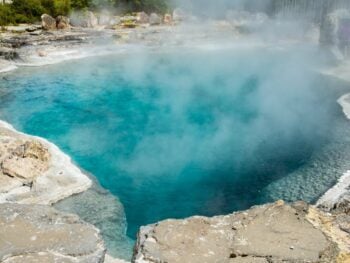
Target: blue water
(180, 133)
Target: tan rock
(269, 233)
(168, 19)
(34, 171)
(26, 169)
(42, 53)
(62, 23)
(48, 22)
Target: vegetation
(29, 11)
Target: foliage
(6, 15)
(29, 11)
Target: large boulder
(48, 22)
(155, 19)
(270, 233)
(35, 233)
(62, 22)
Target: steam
(218, 8)
(219, 110)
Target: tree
(6, 15)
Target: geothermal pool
(173, 134)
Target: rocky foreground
(270, 233)
(35, 174)
(36, 233)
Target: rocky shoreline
(35, 174)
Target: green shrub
(61, 7)
(31, 9)
(6, 15)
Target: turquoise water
(174, 134)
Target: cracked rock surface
(36, 233)
(269, 233)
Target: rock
(92, 20)
(167, 19)
(24, 160)
(62, 22)
(261, 234)
(8, 53)
(35, 233)
(42, 53)
(34, 171)
(48, 22)
(84, 19)
(22, 28)
(142, 18)
(155, 19)
(25, 169)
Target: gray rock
(35, 233)
(48, 22)
(155, 19)
(8, 53)
(269, 233)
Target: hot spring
(196, 131)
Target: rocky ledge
(34, 171)
(36, 233)
(270, 233)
